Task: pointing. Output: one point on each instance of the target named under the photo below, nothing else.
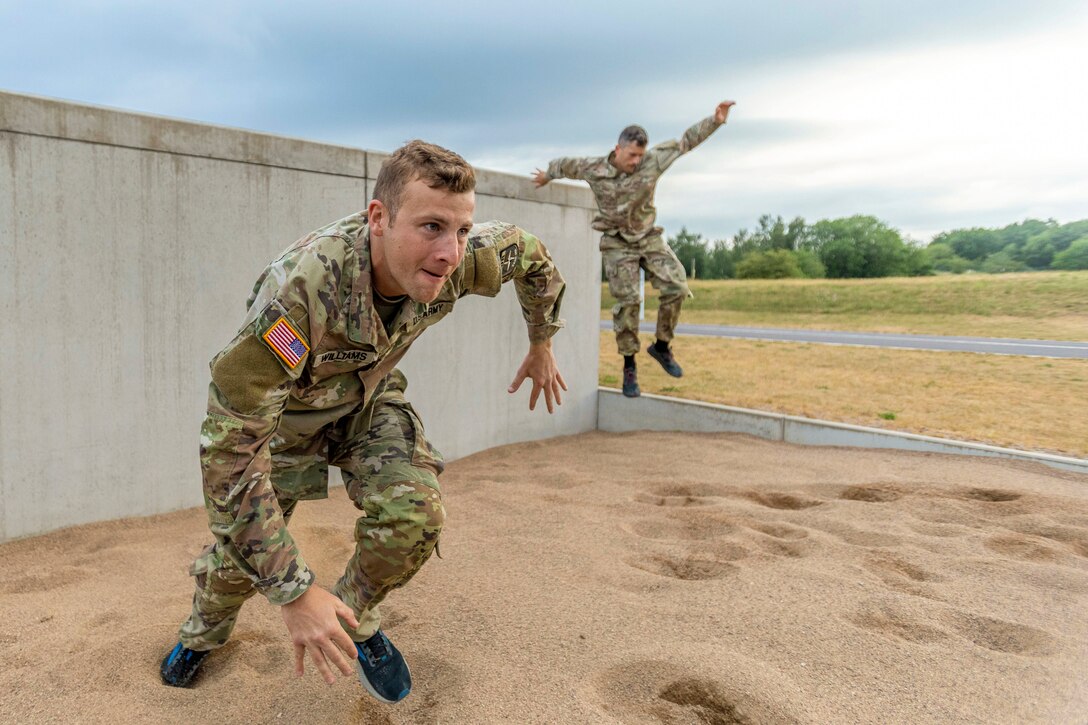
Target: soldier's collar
(363, 323)
(613, 170)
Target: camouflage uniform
(626, 215)
(275, 423)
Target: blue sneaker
(382, 670)
(180, 665)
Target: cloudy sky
(929, 114)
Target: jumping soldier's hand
(540, 365)
(722, 111)
(312, 622)
(540, 178)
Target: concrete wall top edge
(40, 116)
(851, 428)
(510, 186)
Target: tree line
(864, 246)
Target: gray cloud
(491, 79)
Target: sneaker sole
(366, 684)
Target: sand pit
(609, 578)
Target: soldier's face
(418, 252)
(627, 158)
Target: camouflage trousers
(622, 261)
(391, 473)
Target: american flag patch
(286, 342)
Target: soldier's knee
(673, 293)
(413, 508)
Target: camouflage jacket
(625, 202)
(311, 350)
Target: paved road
(992, 345)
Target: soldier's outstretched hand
(540, 365)
(540, 178)
(722, 111)
(312, 621)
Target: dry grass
(1019, 402)
(1041, 305)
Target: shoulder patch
(284, 340)
(508, 261)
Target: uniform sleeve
(500, 252)
(568, 168)
(251, 381)
(665, 153)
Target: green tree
(943, 259)
(810, 264)
(775, 233)
(773, 264)
(972, 244)
(720, 260)
(1037, 252)
(1003, 261)
(1073, 257)
(858, 246)
(690, 249)
(1019, 233)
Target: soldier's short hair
(634, 134)
(437, 167)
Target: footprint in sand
(704, 701)
(993, 495)
(779, 531)
(1074, 537)
(1001, 636)
(871, 493)
(699, 529)
(885, 620)
(688, 567)
(859, 537)
(780, 539)
(900, 575)
(781, 500)
(655, 691)
(898, 567)
(1021, 547)
(791, 549)
(680, 494)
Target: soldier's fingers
(548, 398)
(343, 641)
(537, 387)
(559, 377)
(300, 659)
(334, 653)
(555, 392)
(322, 666)
(518, 380)
(344, 612)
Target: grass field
(1020, 402)
(1042, 305)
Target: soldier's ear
(377, 217)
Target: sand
(609, 578)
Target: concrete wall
(617, 414)
(129, 245)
